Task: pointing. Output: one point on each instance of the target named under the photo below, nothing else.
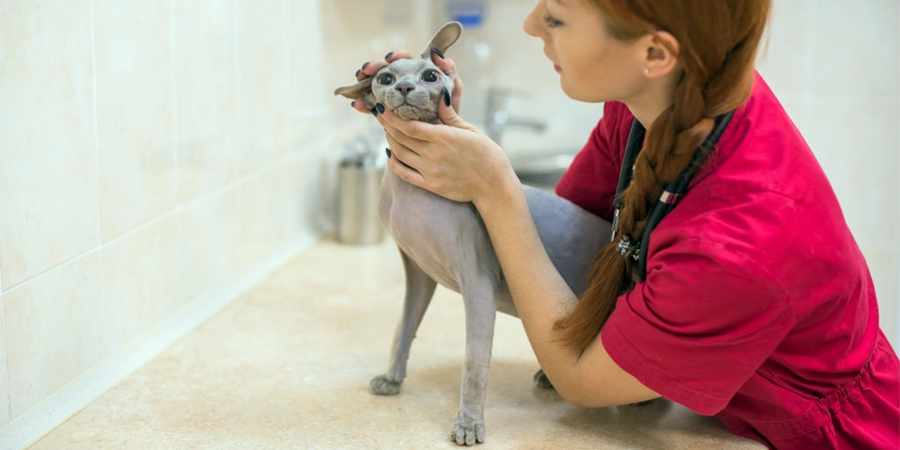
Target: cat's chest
(426, 227)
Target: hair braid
(718, 47)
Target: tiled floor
(287, 366)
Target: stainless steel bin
(359, 187)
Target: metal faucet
(497, 117)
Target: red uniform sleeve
(590, 181)
(699, 326)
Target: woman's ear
(662, 52)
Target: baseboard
(28, 428)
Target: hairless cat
(446, 242)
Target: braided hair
(717, 49)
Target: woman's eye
(551, 21)
(430, 76)
(386, 78)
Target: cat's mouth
(406, 107)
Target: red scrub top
(758, 306)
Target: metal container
(359, 187)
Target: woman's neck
(647, 105)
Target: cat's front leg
(481, 312)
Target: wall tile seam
(93, 30)
(6, 381)
(176, 113)
(288, 25)
(262, 172)
(234, 117)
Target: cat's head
(410, 87)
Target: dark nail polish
(366, 64)
(446, 96)
(357, 74)
(388, 56)
(437, 51)
(380, 108)
(353, 104)
(387, 151)
(374, 112)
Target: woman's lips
(557, 68)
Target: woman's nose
(404, 87)
(530, 25)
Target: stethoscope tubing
(673, 190)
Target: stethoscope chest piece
(672, 192)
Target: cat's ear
(444, 38)
(355, 91)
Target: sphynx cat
(446, 242)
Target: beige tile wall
(50, 170)
(135, 113)
(150, 153)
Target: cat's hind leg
(419, 291)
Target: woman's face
(592, 65)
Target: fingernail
(353, 104)
(437, 51)
(446, 96)
(374, 112)
(387, 151)
(365, 64)
(357, 73)
(388, 56)
(380, 108)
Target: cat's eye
(430, 76)
(386, 78)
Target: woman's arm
(542, 297)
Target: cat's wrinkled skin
(446, 242)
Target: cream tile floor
(287, 366)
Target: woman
(756, 305)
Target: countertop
(288, 364)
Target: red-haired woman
(751, 301)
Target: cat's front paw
(382, 385)
(467, 431)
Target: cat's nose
(405, 87)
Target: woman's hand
(447, 65)
(454, 160)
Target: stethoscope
(670, 194)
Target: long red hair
(718, 40)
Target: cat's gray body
(446, 242)
(436, 234)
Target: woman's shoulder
(763, 198)
(763, 150)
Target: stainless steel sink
(542, 169)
